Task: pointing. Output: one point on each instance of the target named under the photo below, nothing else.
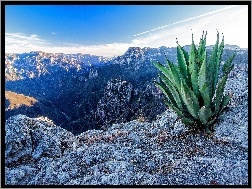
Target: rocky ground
(163, 152)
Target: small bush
(193, 87)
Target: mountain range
(80, 92)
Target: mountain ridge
(77, 89)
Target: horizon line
(39, 51)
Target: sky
(109, 30)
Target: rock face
(33, 138)
(158, 153)
(122, 103)
(114, 105)
(162, 152)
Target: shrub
(194, 87)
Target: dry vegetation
(17, 100)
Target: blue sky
(109, 30)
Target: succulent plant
(194, 88)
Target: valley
(82, 92)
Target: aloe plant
(193, 87)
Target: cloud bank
(232, 21)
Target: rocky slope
(20, 104)
(76, 87)
(161, 152)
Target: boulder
(27, 138)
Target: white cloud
(232, 21)
(188, 19)
(53, 33)
(106, 50)
(34, 36)
(19, 42)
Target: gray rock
(18, 141)
(114, 105)
(27, 138)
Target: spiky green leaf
(205, 114)
(190, 100)
(166, 91)
(228, 66)
(170, 72)
(186, 56)
(201, 50)
(219, 93)
(193, 69)
(172, 90)
(163, 69)
(213, 67)
(224, 102)
(182, 66)
(220, 51)
(204, 87)
(187, 121)
(175, 74)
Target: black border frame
(4, 3)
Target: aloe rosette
(193, 87)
